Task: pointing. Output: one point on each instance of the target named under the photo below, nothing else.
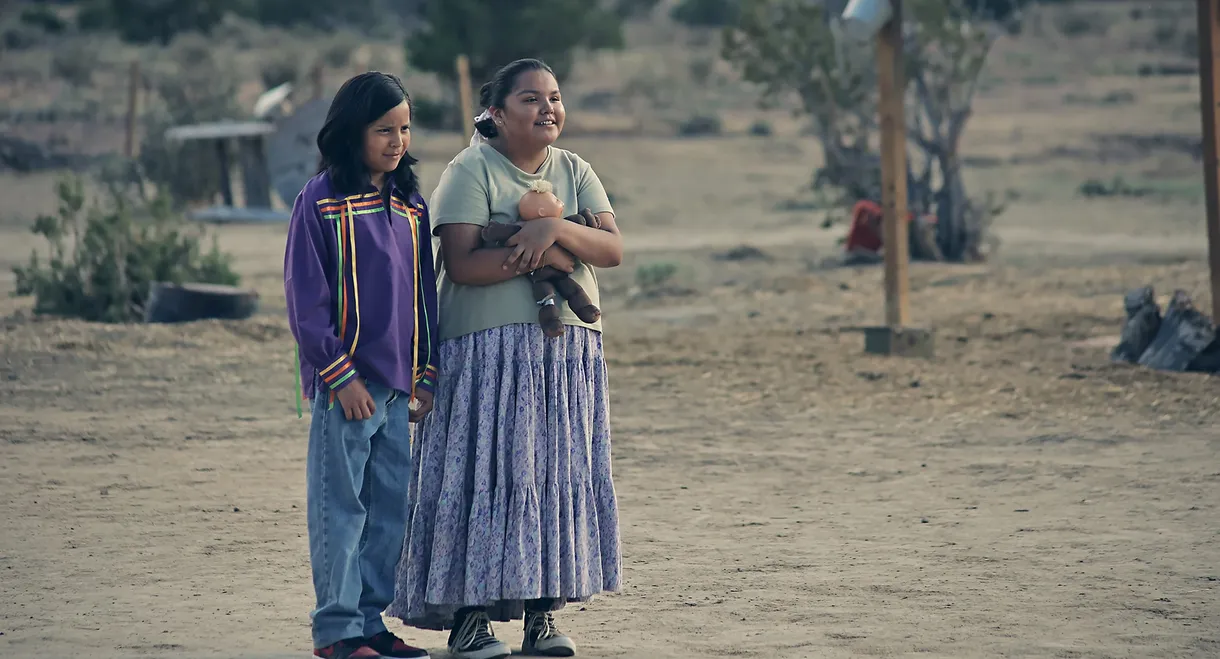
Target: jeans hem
(325, 637)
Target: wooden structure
(249, 138)
(1209, 91)
(891, 79)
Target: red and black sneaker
(390, 645)
(348, 648)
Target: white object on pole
(863, 19)
(272, 99)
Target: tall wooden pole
(463, 72)
(1209, 87)
(891, 78)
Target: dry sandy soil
(783, 494)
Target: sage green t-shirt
(481, 185)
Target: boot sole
(493, 652)
(561, 650)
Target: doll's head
(540, 201)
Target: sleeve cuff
(339, 374)
(427, 379)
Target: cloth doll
(539, 202)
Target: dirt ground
(783, 494)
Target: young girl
(361, 293)
(516, 512)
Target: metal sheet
(292, 151)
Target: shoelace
(544, 624)
(476, 631)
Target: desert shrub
(321, 13)
(701, 70)
(435, 114)
(338, 54)
(699, 125)
(17, 38)
(74, 63)
(43, 18)
(1115, 187)
(1116, 97)
(493, 34)
(154, 21)
(1077, 23)
(652, 276)
(159, 21)
(103, 259)
(635, 8)
(706, 13)
(651, 88)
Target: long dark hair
(495, 91)
(359, 102)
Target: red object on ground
(865, 233)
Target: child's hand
(357, 404)
(420, 405)
(559, 258)
(530, 243)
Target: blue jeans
(357, 479)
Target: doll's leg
(547, 273)
(548, 312)
(578, 299)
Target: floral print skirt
(513, 498)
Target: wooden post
(892, 80)
(133, 109)
(226, 171)
(256, 176)
(1209, 88)
(896, 337)
(315, 79)
(464, 113)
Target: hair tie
(478, 138)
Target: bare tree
(786, 46)
(789, 47)
(948, 42)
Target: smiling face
(533, 112)
(386, 141)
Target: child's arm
(598, 247)
(459, 211)
(309, 266)
(425, 294)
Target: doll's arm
(585, 218)
(497, 232)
